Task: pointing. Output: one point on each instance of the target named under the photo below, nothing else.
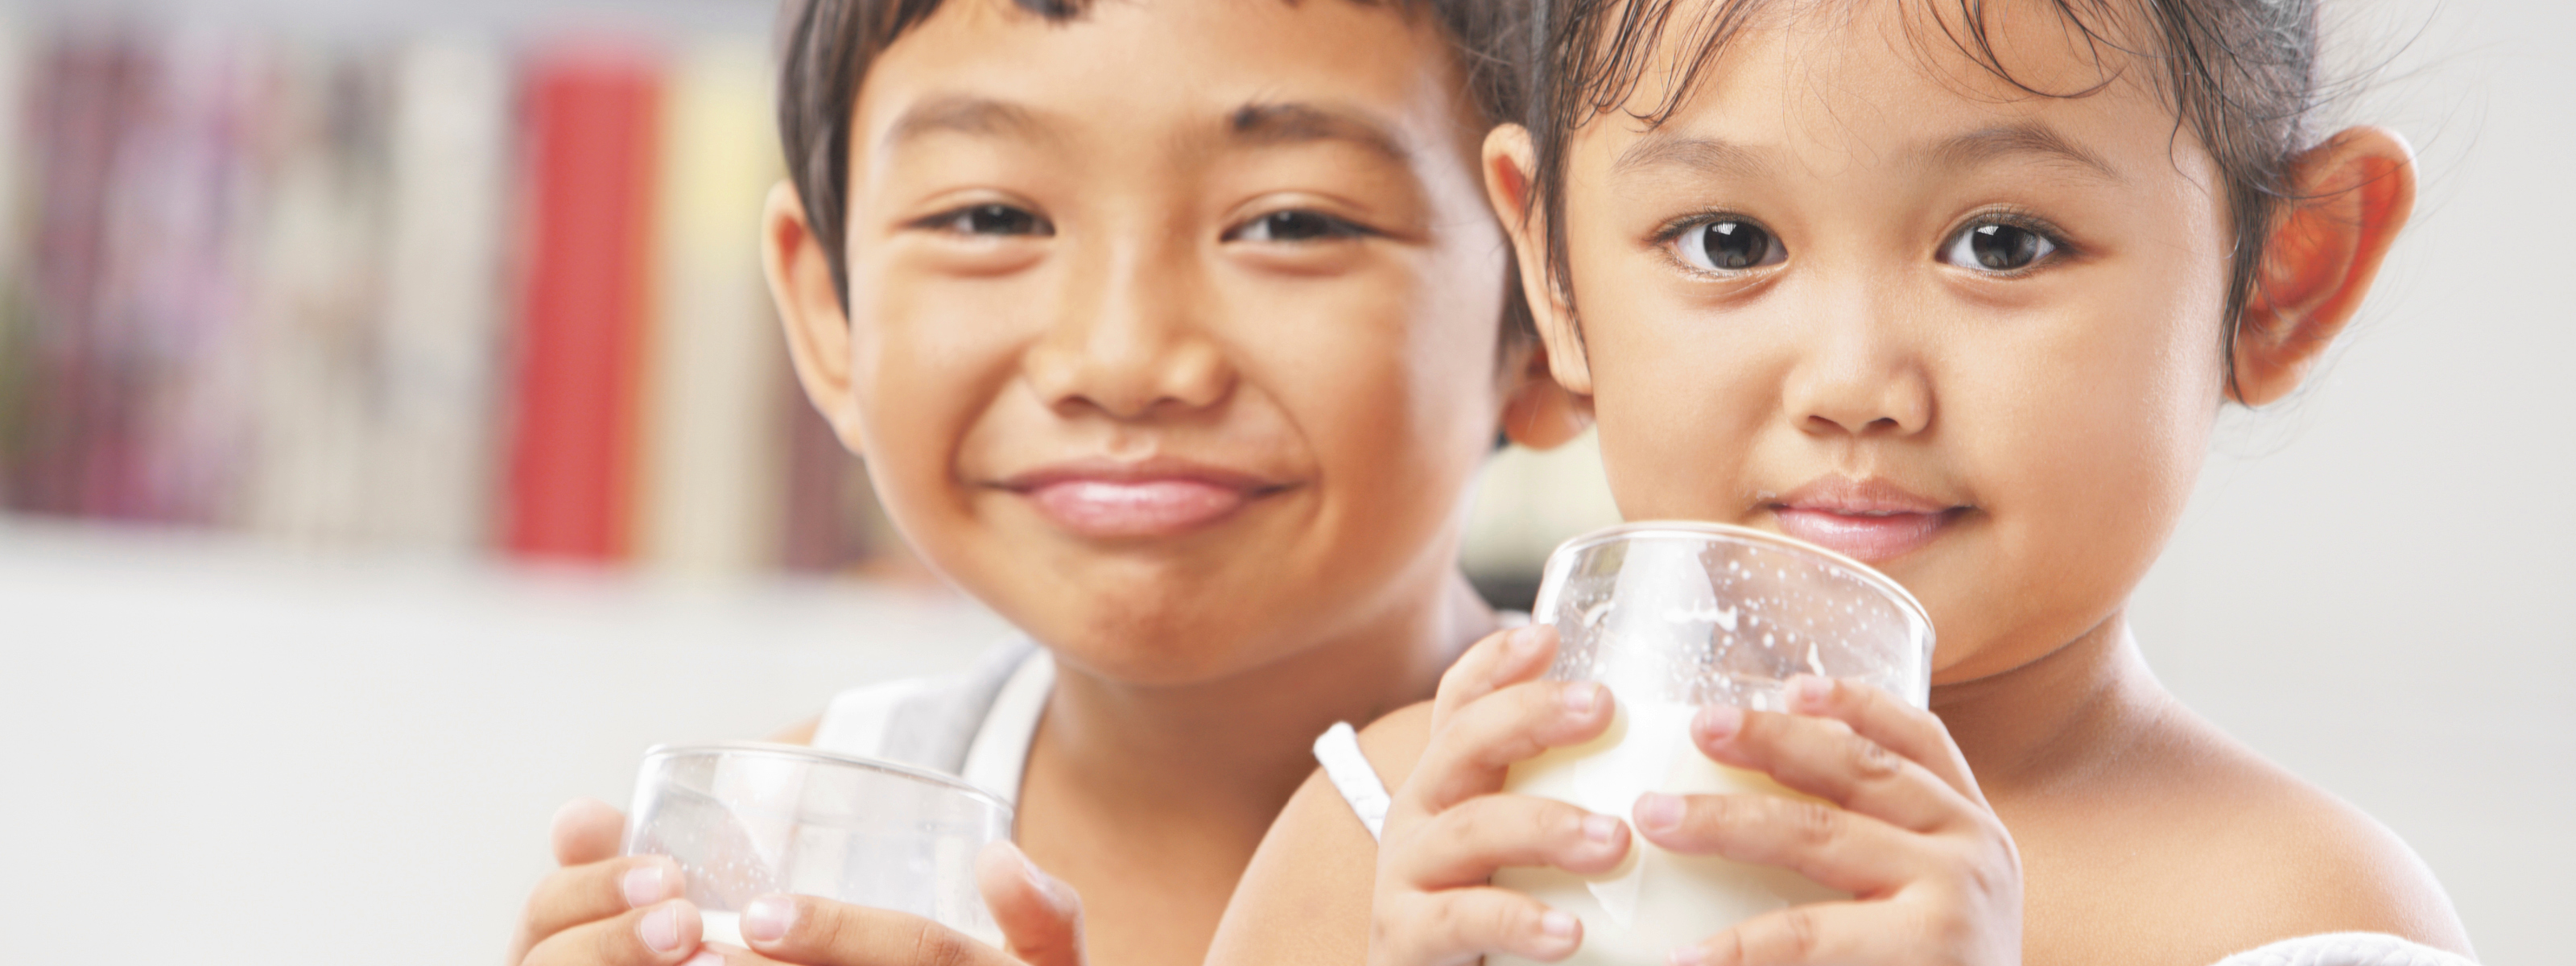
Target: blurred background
(395, 440)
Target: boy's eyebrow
(2026, 138)
(1663, 147)
(1295, 122)
(963, 114)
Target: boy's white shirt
(977, 725)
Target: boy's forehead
(1236, 71)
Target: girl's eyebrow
(1697, 152)
(2027, 138)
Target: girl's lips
(1870, 538)
(1139, 507)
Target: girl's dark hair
(830, 44)
(2241, 74)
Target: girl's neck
(1235, 748)
(2049, 720)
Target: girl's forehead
(1869, 81)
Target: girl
(1957, 290)
(1169, 330)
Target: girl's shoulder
(2190, 842)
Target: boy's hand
(1933, 875)
(1449, 828)
(602, 909)
(1041, 920)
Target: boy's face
(1172, 328)
(1860, 292)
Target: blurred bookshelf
(467, 278)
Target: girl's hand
(602, 909)
(1933, 875)
(1041, 920)
(1449, 828)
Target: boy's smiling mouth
(1160, 497)
(1870, 520)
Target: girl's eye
(1993, 247)
(1728, 245)
(1294, 226)
(992, 219)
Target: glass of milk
(1671, 616)
(746, 819)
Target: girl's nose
(1861, 378)
(1130, 339)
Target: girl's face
(1173, 328)
(1859, 291)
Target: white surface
(220, 754)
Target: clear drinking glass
(1671, 616)
(746, 819)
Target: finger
(1464, 845)
(655, 935)
(1457, 925)
(1834, 848)
(587, 830)
(587, 893)
(1822, 757)
(1502, 659)
(817, 932)
(1818, 933)
(1040, 916)
(1469, 754)
(1879, 716)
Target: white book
(433, 458)
(317, 224)
(712, 486)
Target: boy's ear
(1510, 162)
(818, 330)
(2351, 195)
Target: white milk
(1657, 901)
(720, 927)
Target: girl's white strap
(2346, 949)
(1339, 752)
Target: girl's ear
(818, 330)
(1510, 162)
(2351, 195)
(1537, 412)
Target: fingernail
(766, 919)
(1659, 812)
(1525, 639)
(1581, 697)
(1557, 924)
(1718, 722)
(705, 957)
(642, 885)
(1811, 691)
(1687, 956)
(660, 929)
(1599, 828)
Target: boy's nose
(1859, 376)
(1129, 338)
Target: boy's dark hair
(831, 43)
(2242, 74)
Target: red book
(591, 136)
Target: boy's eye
(1728, 245)
(1993, 247)
(991, 219)
(1294, 226)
